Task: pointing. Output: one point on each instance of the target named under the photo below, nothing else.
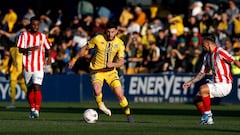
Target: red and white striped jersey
(33, 60)
(219, 62)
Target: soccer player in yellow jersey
(14, 67)
(16, 74)
(109, 55)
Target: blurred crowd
(154, 44)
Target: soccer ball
(90, 116)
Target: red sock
(206, 103)
(38, 99)
(200, 108)
(31, 97)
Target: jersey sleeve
(20, 41)
(223, 54)
(92, 42)
(47, 43)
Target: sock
(13, 85)
(99, 100)
(206, 103)
(124, 106)
(31, 97)
(200, 108)
(23, 87)
(38, 99)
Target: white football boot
(105, 110)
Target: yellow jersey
(223, 25)
(105, 51)
(16, 59)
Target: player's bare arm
(197, 78)
(237, 63)
(49, 60)
(117, 64)
(81, 53)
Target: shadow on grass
(138, 111)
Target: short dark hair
(232, 1)
(209, 37)
(112, 24)
(161, 30)
(34, 18)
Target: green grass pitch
(151, 119)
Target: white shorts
(219, 89)
(33, 77)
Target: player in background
(236, 54)
(33, 44)
(218, 61)
(103, 66)
(14, 68)
(16, 74)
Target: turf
(151, 119)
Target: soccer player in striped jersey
(217, 61)
(109, 55)
(33, 44)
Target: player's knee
(97, 88)
(204, 90)
(37, 87)
(13, 83)
(115, 84)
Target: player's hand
(34, 48)
(49, 61)
(1, 32)
(110, 65)
(71, 64)
(37, 47)
(186, 85)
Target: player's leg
(16, 78)
(97, 86)
(122, 100)
(13, 84)
(38, 99)
(31, 100)
(13, 75)
(199, 104)
(115, 84)
(211, 90)
(30, 92)
(206, 100)
(37, 82)
(123, 103)
(97, 82)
